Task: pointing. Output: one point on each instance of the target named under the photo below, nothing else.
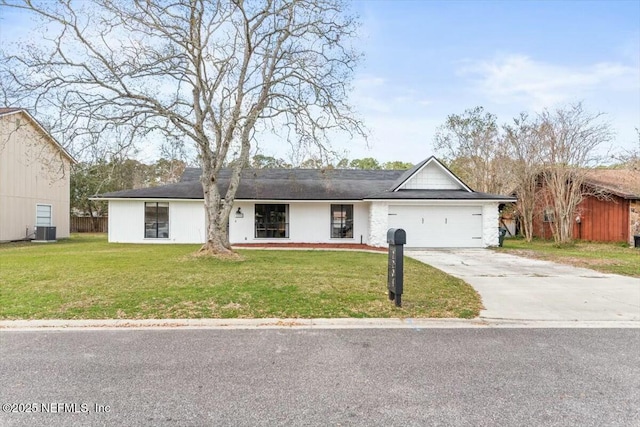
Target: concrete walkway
(523, 289)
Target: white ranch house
(433, 206)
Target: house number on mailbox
(396, 238)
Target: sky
(425, 60)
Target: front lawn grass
(87, 278)
(603, 257)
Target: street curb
(274, 323)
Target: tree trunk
(216, 219)
(527, 224)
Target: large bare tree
(215, 72)
(569, 139)
(471, 145)
(523, 143)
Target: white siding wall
(186, 222)
(241, 229)
(309, 222)
(431, 177)
(126, 221)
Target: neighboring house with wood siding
(34, 178)
(610, 213)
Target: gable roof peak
(6, 111)
(404, 181)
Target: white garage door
(439, 226)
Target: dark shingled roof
(301, 184)
(191, 174)
(277, 184)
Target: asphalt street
(373, 377)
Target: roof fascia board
(139, 199)
(606, 189)
(342, 201)
(11, 110)
(447, 201)
(97, 199)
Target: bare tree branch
(210, 71)
(569, 138)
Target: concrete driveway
(519, 288)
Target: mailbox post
(396, 238)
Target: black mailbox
(396, 238)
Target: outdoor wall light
(239, 213)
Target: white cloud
(367, 82)
(520, 79)
(401, 119)
(373, 95)
(366, 94)
(396, 137)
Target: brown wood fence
(85, 224)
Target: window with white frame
(43, 216)
(341, 221)
(549, 215)
(272, 221)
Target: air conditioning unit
(45, 234)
